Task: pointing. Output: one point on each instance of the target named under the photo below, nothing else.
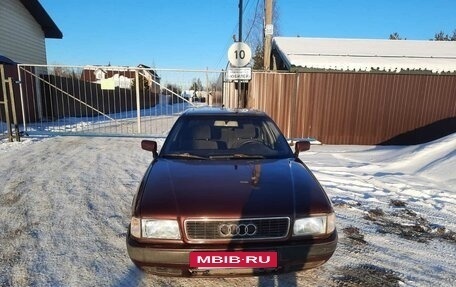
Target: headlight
(316, 225)
(160, 229)
(154, 228)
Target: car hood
(230, 188)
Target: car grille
(237, 229)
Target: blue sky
(197, 34)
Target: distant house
(149, 74)
(24, 27)
(363, 55)
(123, 76)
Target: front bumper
(292, 256)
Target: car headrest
(248, 131)
(202, 132)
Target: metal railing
(109, 100)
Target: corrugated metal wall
(23, 39)
(352, 108)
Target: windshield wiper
(183, 155)
(237, 156)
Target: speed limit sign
(239, 54)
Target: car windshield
(225, 137)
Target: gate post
(5, 102)
(138, 102)
(13, 110)
(293, 111)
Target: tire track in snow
(66, 206)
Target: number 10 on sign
(239, 54)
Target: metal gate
(8, 119)
(113, 101)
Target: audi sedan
(226, 195)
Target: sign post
(239, 56)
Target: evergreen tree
(258, 58)
(395, 36)
(441, 36)
(196, 85)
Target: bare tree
(63, 71)
(255, 31)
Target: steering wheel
(250, 142)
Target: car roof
(221, 111)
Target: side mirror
(301, 146)
(150, 146)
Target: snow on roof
(367, 54)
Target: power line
(236, 27)
(254, 20)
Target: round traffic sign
(239, 54)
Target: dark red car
(227, 195)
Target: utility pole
(268, 31)
(241, 96)
(240, 21)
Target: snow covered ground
(65, 206)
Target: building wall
(353, 108)
(21, 37)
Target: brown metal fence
(353, 108)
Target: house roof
(50, 29)
(366, 54)
(6, 60)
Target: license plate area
(233, 259)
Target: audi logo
(232, 229)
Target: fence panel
(108, 100)
(353, 108)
